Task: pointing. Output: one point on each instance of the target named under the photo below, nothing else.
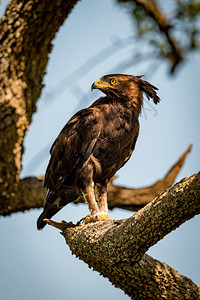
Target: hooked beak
(95, 85)
(101, 85)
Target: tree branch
(134, 199)
(117, 250)
(151, 9)
(30, 193)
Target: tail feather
(48, 212)
(54, 203)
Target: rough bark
(117, 250)
(26, 31)
(30, 192)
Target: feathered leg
(101, 194)
(89, 197)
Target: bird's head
(126, 87)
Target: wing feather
(72, 147)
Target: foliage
(172, 28)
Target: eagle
(95, 143)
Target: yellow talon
(104, 217)
(95, 218)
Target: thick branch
(117, 250)
(26, 32)
(30, 193)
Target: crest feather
(148, 89)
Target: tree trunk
(26, 31)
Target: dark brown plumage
(94, 144)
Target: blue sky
(39, 265)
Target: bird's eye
(113, 81)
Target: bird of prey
(95, 143)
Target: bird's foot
(98, 217)
(104, 217)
